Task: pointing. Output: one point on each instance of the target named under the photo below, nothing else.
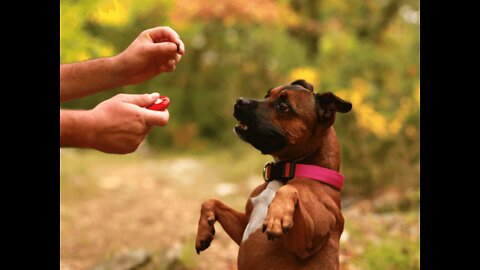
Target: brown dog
(300, 215)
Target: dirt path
(110, 207)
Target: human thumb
(165, 47)
(142, 100)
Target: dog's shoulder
(258, 190)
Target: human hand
(121, 123)
(153, 52)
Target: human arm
(117, 125)
(153, 52)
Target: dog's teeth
(242, 126)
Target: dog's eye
(283, 107)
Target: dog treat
(161, 104)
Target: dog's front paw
(278, 222)
(279, 218)
(206, 229)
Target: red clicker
(161, 104)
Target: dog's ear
(303, 83)
(328, 104)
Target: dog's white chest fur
(260, 208)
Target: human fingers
(156, 118)
(169, 66)
(169, 48)
(168, 51)
(177, 58)
(163, 34)
(181, 46)
(142, 100)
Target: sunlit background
(144, 206)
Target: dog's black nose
(242, 101)
(242, 108)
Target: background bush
(366, 52)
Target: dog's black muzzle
(256, 127)
(244, 109)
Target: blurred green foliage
(366, 52)
(389, 241)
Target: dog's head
(288, 119)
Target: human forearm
(154, 51)
(76, 128)
(117, 125)
(84, 78)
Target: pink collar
(286, 170)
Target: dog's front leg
(232, 221)
(279, 219)
(289, 216)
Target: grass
(151, 201)
(387, 241)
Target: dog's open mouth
(244, 123)
(241, 126)
(259, 132)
